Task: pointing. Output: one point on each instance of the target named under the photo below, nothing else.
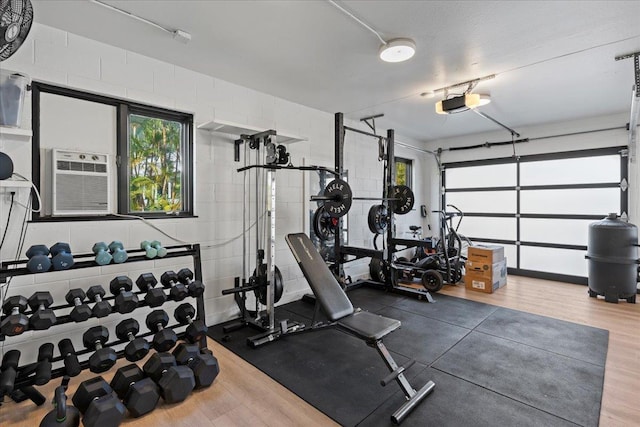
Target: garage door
(539, 207)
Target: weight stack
(612, 255)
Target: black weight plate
(261, 293)
(406, 199)
(432, 280)
(379, 270)
(377, 219)
(324, 225)
(340, 198)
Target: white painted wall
(64, 59)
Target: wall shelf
(9, 131)
(14, 183)
(231, 128)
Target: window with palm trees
(155, 164)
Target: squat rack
(386, 255)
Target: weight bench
(367, 326)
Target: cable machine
(259, 237)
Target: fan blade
(25, 18)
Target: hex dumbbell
(164, 339)
(155, 297)
(80, 311)
(61, 257)
(204, 365)
(43, 317)
(103, 358)
(161, 250)
(175, 382)
(43, 365)
(117, 252)
(103, 256)
(39, 260)
(8, 372)
(178, 291)
(185, 315)
(126, 301)
(195, 287)
(138, 393)
(101, 308)
(100, 406)
(137, 348)
(70, 359)
(15, 321)
(149, 251)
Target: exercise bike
(446, 265)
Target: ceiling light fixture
(394, 50)
(458, 104)
(397, 50)
(179, 35)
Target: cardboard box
(485, 277)
(489, 254)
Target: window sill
(133, 217)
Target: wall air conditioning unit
(80, 183)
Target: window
(403, 171)
(149, 150)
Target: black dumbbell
(15, 321)
(175, 382)
(137, 348)
(81, 311)
(100, 308)
(155, 297)
(103, 358)
(204, 365)
(43, 317)
(8, 372)
(39, 260)
(178, 290)
(195, 287)
(164, 339)
(43, 365)
(61, 257)
(138, 393)
(100, 406)
(103, 256)
(71, 364)
(185, 315)
(126, 301)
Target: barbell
(337, 198)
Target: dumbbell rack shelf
(25, 379)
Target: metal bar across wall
(518, 243)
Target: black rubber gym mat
(458, 403)
(457, 311)
(565, 387)
(523, 369)
(333, 371)
(566, 338)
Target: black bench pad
(368, 326)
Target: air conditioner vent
(80, 183)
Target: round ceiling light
(397, 50)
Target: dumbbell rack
(23, 386)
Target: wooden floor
(244, 396)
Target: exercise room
(319, 213)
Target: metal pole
(339, 164)
(271, 247)
(391, 180)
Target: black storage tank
(612, 252)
